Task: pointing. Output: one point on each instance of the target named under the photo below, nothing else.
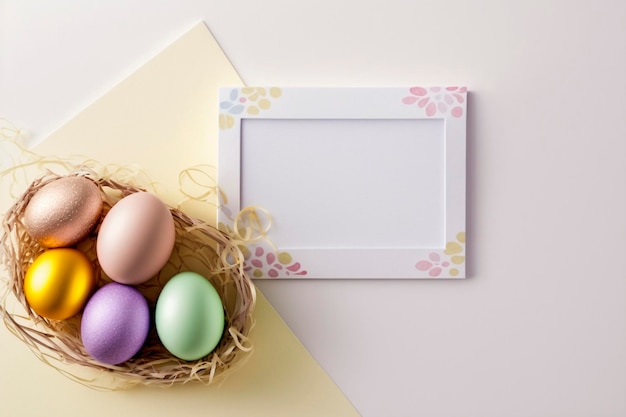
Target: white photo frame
(358, 182)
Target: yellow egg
(59, 282)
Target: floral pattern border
(450, 259)
(437, 100)
(251, 100)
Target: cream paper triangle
(163, 118)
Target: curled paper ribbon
(249, 225)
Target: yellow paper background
(163, 118)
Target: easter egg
(189, 316)
(115, 323)
(63, 212)
(136, 238)
(58, 283)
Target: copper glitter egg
(63, 212)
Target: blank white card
(358, 182)
(333, 183)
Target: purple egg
(115, 323)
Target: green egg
(189, 316)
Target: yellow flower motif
(264, 104)
(226, 121)
(452, 248)
(284, 258)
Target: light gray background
(540, 327)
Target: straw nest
(199, 247)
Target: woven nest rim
(58, 344)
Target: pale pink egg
(136, 238)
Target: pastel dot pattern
(450, 259)
(248, 100)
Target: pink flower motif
(433, 266)
(261, 262)
(448, 260)
(437, 99)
